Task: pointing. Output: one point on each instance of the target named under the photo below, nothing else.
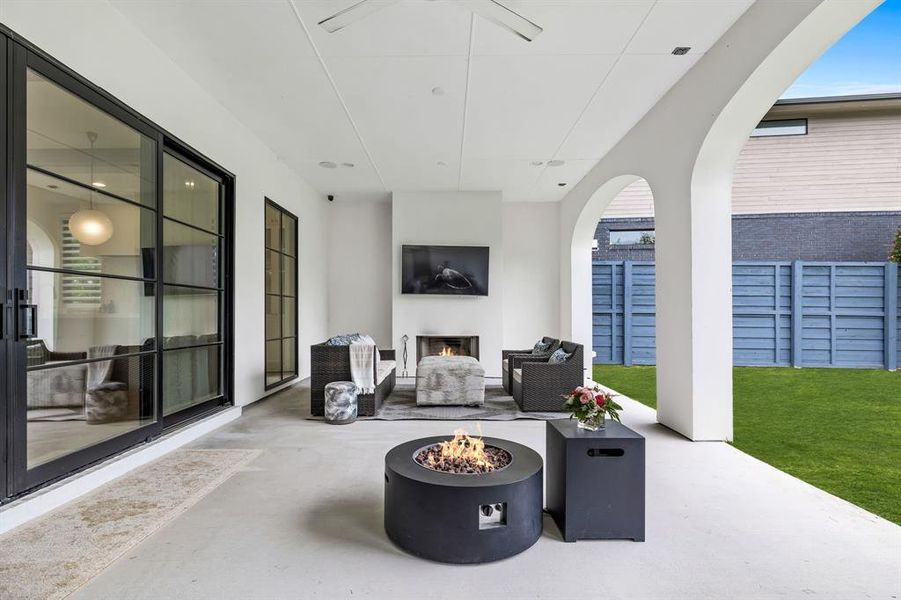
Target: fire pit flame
(463, 454)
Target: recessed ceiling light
(348, 165)
(99, 184)
(681, 50)
(537, 163)
(556, 163)
(562, 184)
(437, 91)
(327, 164)
(52, 186)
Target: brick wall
(833, 236)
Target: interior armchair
(538, 384)
(508, 357)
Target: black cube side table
(595, 481)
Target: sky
(867, 60)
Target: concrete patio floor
(304, 520)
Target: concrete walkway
(304, 520)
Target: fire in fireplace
(463, 500)
(446, 345)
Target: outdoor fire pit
(463, 500)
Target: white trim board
(43, 501)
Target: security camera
(331, 198)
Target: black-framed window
(632, 237)
(780, 127)
(281, 289)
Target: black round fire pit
(463, 517)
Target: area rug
(401, 406)
(58, 553)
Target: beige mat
(56, 554)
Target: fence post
(891, 316)
(612, 312)
(797, 309)
(627, 313)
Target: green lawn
(837, 429)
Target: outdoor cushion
(517, 374)
(559, 356)
(384, 369)
(540, 347)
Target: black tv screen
(451, 270)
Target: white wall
(451, 218)
(531, 272)
(96, 41)
(359, 268)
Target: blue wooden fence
(802, 314)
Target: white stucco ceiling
(363, 95)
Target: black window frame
(16, 480)
(775, 124)
(283, 212)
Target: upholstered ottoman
(340, 402)
(450, 381)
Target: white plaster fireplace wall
(451, 219)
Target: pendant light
(89, 226)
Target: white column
(694, 308)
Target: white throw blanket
(362, 367)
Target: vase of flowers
(591, 406)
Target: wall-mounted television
(449, 270)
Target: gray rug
(401, 406)
(54, 555)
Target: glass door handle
(27, 317)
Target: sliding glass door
(116, 303)
(192, 286)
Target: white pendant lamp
(89, 226)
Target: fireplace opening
(446, 345)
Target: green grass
(837, 429)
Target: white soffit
(364, 95)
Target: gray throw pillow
(559, 356)
(541, 347)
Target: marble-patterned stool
(450, 381)
(340, 402)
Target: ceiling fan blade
(503, 16)
(355, 12)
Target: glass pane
(273, 281)
(289, 235)
(273, 227)
(189, 256)
(273, 362)
(55, 241)
(189, 195)
(289, 277)
(78, 315)
(273, 317)
(190, 376)
(69, 137)
(289, 317)
(288, 359)
(190, 316)
(75, 406)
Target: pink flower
(583, 400)
(587, 396)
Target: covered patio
(304, 519)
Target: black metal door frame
(18, 55)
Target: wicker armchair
(507, 356)
(538, 385)
(332, 363)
